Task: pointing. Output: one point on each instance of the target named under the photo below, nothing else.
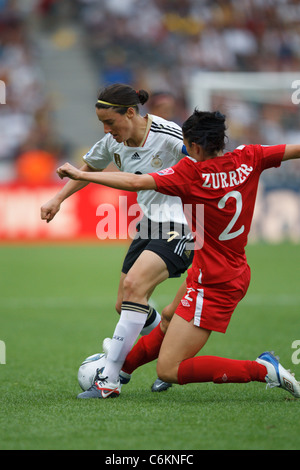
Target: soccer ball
(88, 370)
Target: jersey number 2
(226, 234)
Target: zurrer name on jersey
(224, 179)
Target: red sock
(145, 350)
(220, 370)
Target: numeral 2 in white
(226, 234)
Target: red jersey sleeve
(176, 180)
(267, 156)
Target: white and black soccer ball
(88, 370)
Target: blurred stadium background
(241, 57)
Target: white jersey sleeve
(99, 156)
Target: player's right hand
(49, 210)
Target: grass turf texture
(56, 307)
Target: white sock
(132, 320)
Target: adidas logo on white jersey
(135, 156)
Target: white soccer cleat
(102, 388)
(277, 375)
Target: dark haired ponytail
(121, 97)
(143, 96)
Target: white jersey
(162, 147)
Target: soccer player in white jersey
(138, 144)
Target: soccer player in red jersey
(226, 186)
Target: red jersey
(226, 186)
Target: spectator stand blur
(30, 144)
(29, 148)
(164, 103)
(181, 36)
(178, 38)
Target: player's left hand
(68, 170)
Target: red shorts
(211, 307)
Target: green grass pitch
(56, 307)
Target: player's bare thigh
(183, 340)
(147, 272)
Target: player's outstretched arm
(125, 181)
(291, 152)
(50, 208)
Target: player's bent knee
(134, 290)
(130, 285)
